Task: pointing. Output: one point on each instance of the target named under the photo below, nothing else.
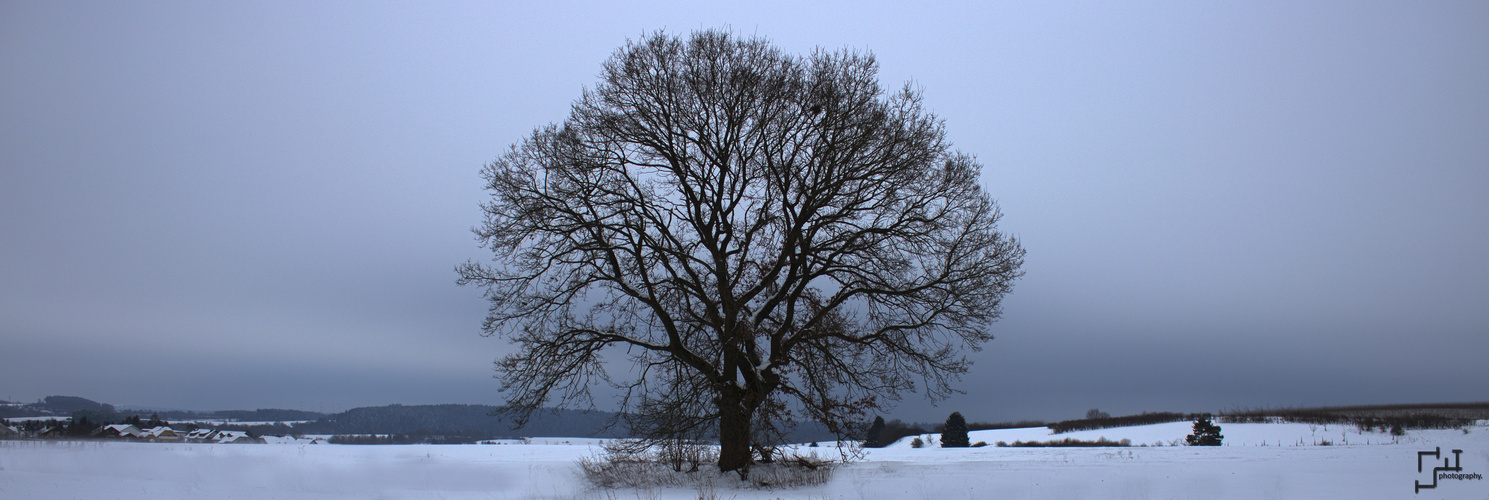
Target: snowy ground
(218, 422)
(1289, 465)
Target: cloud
(1242, 205)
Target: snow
(249, 423)
(61, 418)
(1172, 434)
(545, 468)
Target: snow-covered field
(218, 422)
(1258, 461)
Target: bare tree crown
(741, 221)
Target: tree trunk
(734, 434)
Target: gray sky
(1250, 204)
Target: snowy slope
(1171, 434)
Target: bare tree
(769, 237)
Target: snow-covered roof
(124, 429)
(233, 437)
(290, 440)
(160, 432)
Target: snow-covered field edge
(1257, 461)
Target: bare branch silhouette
(764, 234)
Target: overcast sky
(254, 204)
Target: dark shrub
(1110, 422)
(894, 430)
(1069, 443)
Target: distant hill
(462, 420)
(268, 415)
(73, 403)
(53, 406)
(436, 423)
(468, 421)
(66, 406)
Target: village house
(123, 431)
(236, 437)
(162, 433)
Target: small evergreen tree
(875, 437)
(954, 434)
(1205, 433)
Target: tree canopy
(767, 237)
